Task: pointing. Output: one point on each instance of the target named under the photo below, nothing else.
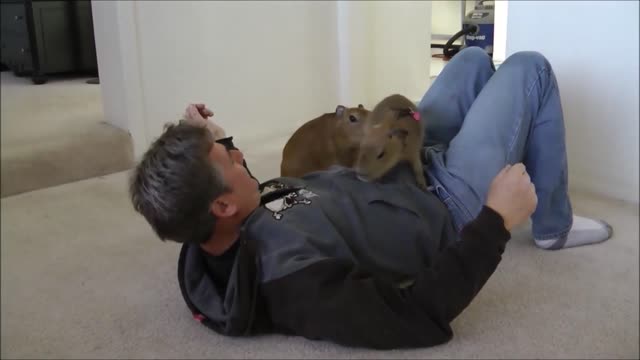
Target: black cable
(448, 49)
(441, 46)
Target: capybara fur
(330, 139)
(393, 134)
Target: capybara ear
(360, 106)
(340, 110)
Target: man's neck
(223, 238)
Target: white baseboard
(606, 188)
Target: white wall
(593, 47)
(500, 17)
(446, 16)
(109, 57)
(263, 67)
(384, 49)
(401, 54)
(118, 67)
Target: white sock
(584, 231)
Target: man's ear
(340, 110)
(223, 207)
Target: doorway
(53, 128)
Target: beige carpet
(54, 134)
(84, 277)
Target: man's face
(244, 189)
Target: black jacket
(362, 264)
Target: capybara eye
(353, 118)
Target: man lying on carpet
(381, 265)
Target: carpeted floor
(54, 134)
(84, 277)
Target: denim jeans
(477, 120)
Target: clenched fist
(512, 195)
(198, 114)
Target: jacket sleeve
(337, 301)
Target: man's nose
(238, 156)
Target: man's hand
(512, 195)
(197, 114)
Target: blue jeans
(477, 120)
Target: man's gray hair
(175, 183)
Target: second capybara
(393, 134)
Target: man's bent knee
(474, 56)
(528, 60)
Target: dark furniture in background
(47, 37)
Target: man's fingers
(204, 112)
(503, 171)
(203, 109)
(194, 114)
(189, 112)
(518, 168)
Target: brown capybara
(393, 134)
(330, 139)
